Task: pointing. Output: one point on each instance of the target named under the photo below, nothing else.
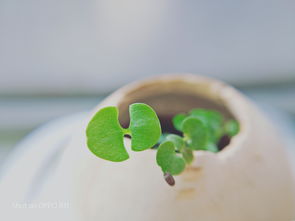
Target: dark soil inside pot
(167, 125)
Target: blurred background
(62, 57)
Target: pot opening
(167, 105)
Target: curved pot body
(250, 179)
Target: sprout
(202, 130)
(105, 136)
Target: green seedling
(201, 129)
(105, 136)
(169, 160)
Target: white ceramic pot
(249, 179)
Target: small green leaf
(207, 116)
(177, 140)
(211, 147)
(161, 140)
(177, 121)
(169, 160)
(231, 128)
(195, 132)
(212, 119)
(144, 126)
(187, 155)
(105, 135)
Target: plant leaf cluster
(201, 129)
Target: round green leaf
(195, 132)
(105, 135)
(207, 116)
(212, 119)
(144, 126)
(211, 147)
(177, 121)
(177, 140)
(232, 127)
(169, 160)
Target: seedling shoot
(201, 129)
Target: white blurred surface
(96, 46)
(30, 167)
